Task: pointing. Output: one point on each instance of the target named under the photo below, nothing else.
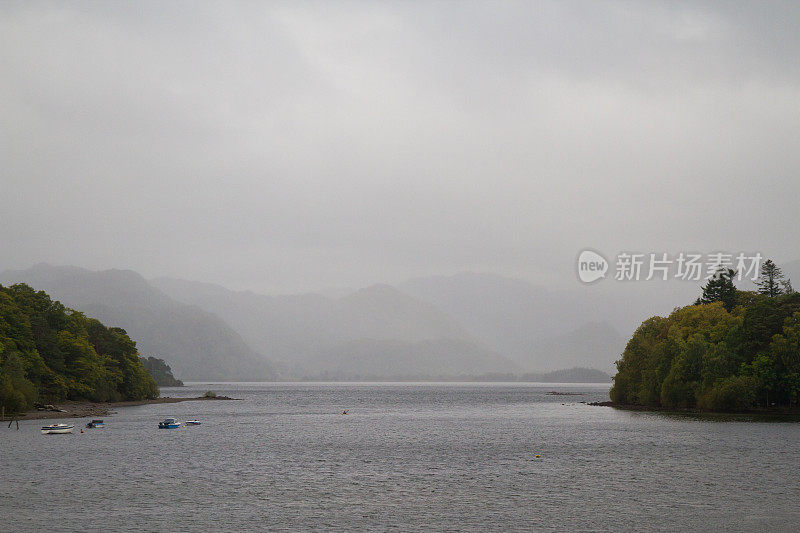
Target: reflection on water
(729, 417)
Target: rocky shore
(625, 407)
(81, 409)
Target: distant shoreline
(378, 379)
(85, 409)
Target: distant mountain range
(468, 324)
(516, 325)
(376, 331)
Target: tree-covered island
(732, 351)
(49, 353)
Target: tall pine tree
(771, 282)
(720, 288)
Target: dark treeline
(731, 351)
(161, 372)
(50, 353)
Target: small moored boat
(193, 422)
(96, 424)
(169, 423)
(55, 429)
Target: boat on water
(96, 424)
(193, 422)
(56, 429)
(169, 423)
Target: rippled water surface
(407, 457)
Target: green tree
(734, 393)
(770, 282)
(785, 349)
(681, 385)
(763, 368)
(16, 391)
(635, 359)
(720, 288)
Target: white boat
(55, 429)
(193, 422)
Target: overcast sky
(293, 146)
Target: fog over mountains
(540, 329)
(468, 324)
(463, 325)
(482, 323)
(320, 336)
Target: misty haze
(399, 265)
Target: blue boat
(96, 424)
(169, 423)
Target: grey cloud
(288, 146)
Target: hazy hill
(392, 359)
(376, 331)
(383, 312)
(377, 312)
(538, 328)
(197, 344)
(593, 344)
(570, 375)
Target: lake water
(407, 457)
